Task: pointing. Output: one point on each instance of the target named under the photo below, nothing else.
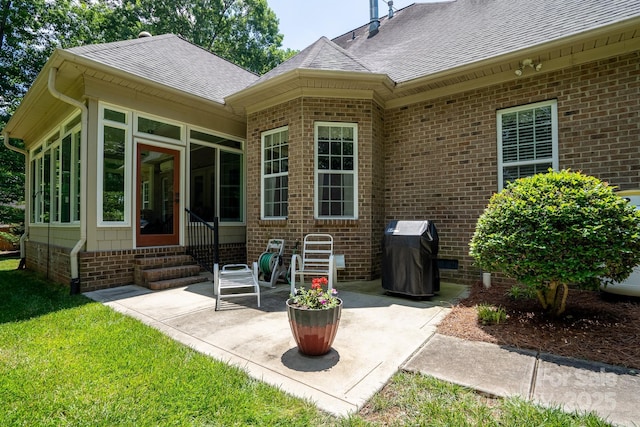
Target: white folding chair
(317, 260)
(235, 277)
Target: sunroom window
(336, 179)
(114, 171)
(217, 177)
(527, 141)
(55, 176)
(113, 178)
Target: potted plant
(314, 316)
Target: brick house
(422, 113)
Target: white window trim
(219, 148)
(554, 137)
(128, 155)
(215, 133)
(149, 136)
(46, 145)
(316, 171)
(262, 173)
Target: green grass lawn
(65, 360)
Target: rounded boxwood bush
(555, 230)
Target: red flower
(319, 282)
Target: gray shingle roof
(427, 38)
(174, 62)
(321, 55)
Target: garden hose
(267, 263)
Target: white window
(55, 176)
(275, 174)
(160, 129)
(336, 178)
(114, 167)
(527, 141)
(217, 170)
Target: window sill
(335, 222)
(272, 222)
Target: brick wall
(107, 269)
(437, 159)
(351, 237)
(441, 155)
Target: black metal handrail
(203, 241)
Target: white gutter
(73, 256)
(23, 255)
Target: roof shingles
(427, 38)
(321, 55)
(174, 62)
(420, 40)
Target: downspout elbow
(84, 113)
(5, 136)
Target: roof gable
(321, 55)
(171, 61)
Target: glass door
(158, 196)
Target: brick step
(163, 261)
(173, 272)
(175, 283)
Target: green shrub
(8, 237)
(489, 315)
(518, 291)
(552, 230)
(11, 215)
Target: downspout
(73, 255)
(23, 254)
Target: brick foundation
(107, 269)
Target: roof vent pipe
(374, 23)
(390, 3)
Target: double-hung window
(336, 177)
(527, 141)
(275, 174)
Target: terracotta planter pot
(314, 330)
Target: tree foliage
(243, 31)
(555, 230)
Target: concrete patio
(377, 334)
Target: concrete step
(175, 283)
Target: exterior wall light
(528, 63)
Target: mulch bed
(595, 326)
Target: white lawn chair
(234, 277)
(317, 260)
